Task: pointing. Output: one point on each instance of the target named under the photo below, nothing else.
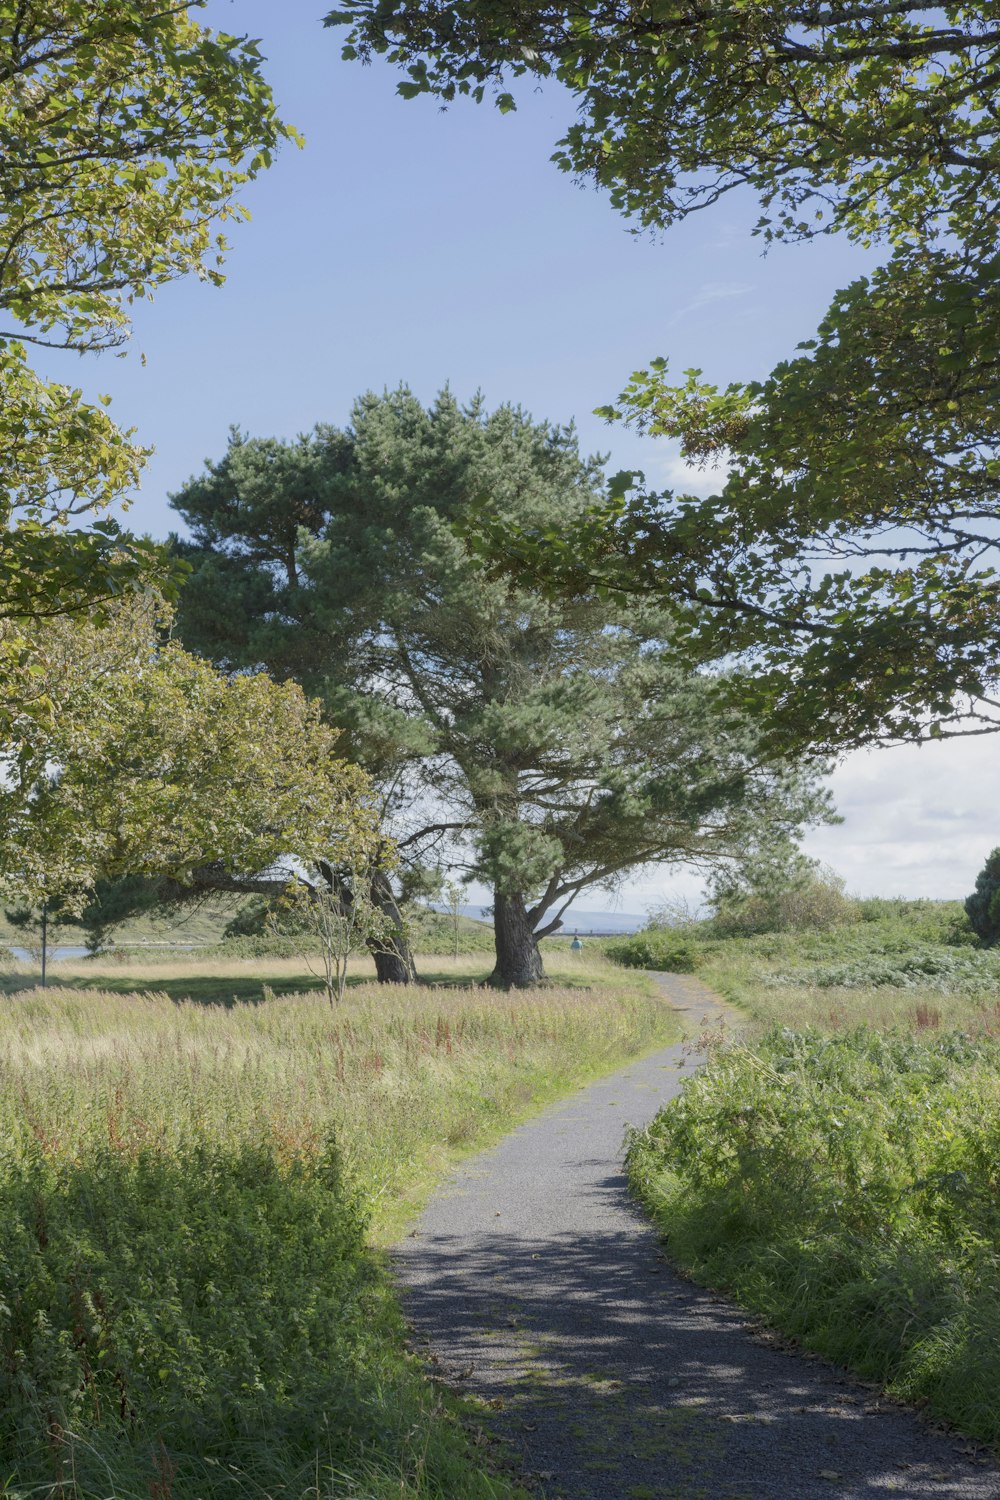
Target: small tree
(983, 907)
(151, 763)
(337, 909)
(454, 895)
(791, 895)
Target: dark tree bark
(391, 952)
(519, 959)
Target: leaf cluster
(150, 762)
(126, 130)
(874, 118)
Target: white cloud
(919, 820)
(669, 471)
(708, 293)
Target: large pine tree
(549, 744)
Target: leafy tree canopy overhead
(850, 547)
(546, 744)
(850, 555)
(126, 130)
(875, 117)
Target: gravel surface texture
(534, 1283)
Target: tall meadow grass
(189, 1305)
(837, 1167)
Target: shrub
(845, 1188)
(983, 906)
(655, 948)
(816, 902)
(177, 1303)
(918, 967)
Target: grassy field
(190, 1304)
(910, 965)
(838, 1168)
(202, 925)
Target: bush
(921, 919)
(983, 907)
(919, 967)
(268, 917)
(845, 1188)
(815, 903)
(167, 1307)
(655, 948)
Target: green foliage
(266, 917)
(679, 105)
(810, 898)
(947, 970)
(187, 1305)
(983, 907)
(845, 1188)
(655, 948)
(845, 552)
(556, 736)
(198, 1296)
(147, 761)
(127, 131)
(884, 417)
(432, 931)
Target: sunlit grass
(836, 1167)
(405, 1075)
(196, 1313)
(221, 979)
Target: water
(56, 951)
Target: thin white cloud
(706, 295)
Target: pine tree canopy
(549, 743)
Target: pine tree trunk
(519, 959)
(391, 952)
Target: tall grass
(908, 965)
(846, 1188)
(837, 1168)
(188, 1304)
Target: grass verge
(845, 1188)
(189, 1304)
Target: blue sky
(407, 243)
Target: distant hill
(575, 920)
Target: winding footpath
(537, 1285)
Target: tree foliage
(126, 130)
(851, 544)
(153, 763)
(983, 907)
(548, 745)
(851, 551)
(855, 116)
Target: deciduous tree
(153, 763)
(126, 129)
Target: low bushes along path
(540, 1288)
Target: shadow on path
(540, 1287)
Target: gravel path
(540, 1288)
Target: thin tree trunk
(519, 959)
(391, 952)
